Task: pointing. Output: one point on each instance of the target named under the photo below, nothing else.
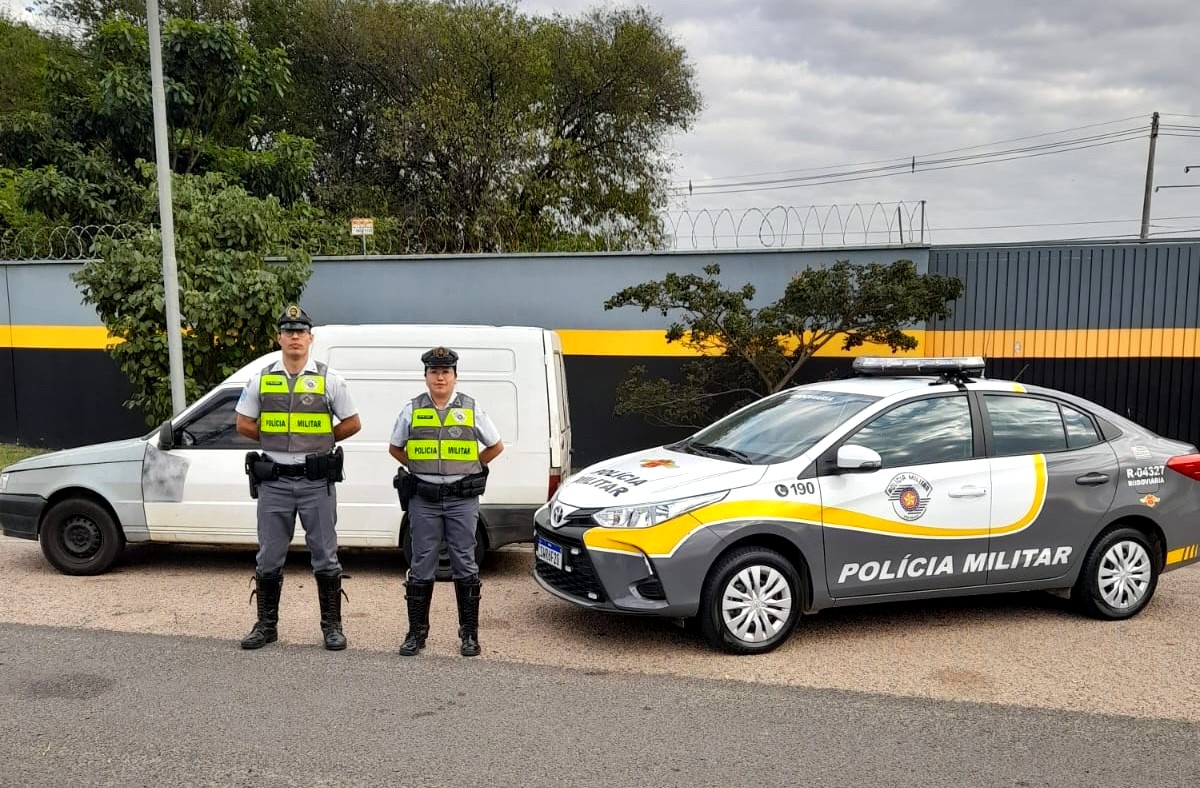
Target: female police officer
(289, 409)
(437, 436)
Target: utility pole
(166, 215)
(1149, 178)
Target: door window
(1026, 425)
(931, 430)
(214, 426)
(1081, 429)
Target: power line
(835, 178)
(925, 164)
(933, 153)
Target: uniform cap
(295, 319)
(440, 357)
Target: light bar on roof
(947, 365)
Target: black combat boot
(266, 629)
(467, 591)
(420, 596)
(329, 594)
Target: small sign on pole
(362, 228)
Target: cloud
(791, 85)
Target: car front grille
(578, 577)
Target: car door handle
(1092, 479)
(970, 491)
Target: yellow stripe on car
(664, 539)
(1181, 554)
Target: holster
(259, 468)
(406, 486)
(325, 467)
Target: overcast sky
(798, 84)
(794, 85)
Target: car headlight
(646, 515)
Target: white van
(185, 482)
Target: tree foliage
(473, 125)
(493, 121)
(229, 296)
(751, 351)
(79, 150)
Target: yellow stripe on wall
(1067, 343)
(58, 337)
(653, 342)
(1082, 343)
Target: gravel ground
(1017, 649)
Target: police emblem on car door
(910, 503)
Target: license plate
(549, 552)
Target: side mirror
(166, 436)
(852, 457)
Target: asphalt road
(96, 708)
(1017, 649)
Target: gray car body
(1073, 515)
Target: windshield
(776, 429)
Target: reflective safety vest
(298, 419)
(443, 442)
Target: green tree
(229, 296)
(750, 351)
(483, 126)
(24, 57)
(79, 153)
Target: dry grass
(10, 453)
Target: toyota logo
(556, 515)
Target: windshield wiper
(721, 451)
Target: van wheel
(444, 571)
(80, 537)
(1118, 576)
(751, 601)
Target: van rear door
(560, 411)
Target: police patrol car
(917, 478)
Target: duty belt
(291, 471)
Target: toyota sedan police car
(917, 478)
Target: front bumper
(601, 580)
(20, 515)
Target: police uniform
(295, 418)
(442, 447)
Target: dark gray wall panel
(1128, 285)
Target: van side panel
(504, 368)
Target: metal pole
(165, 214)
(1149, 178)
(922, 222)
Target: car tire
(1118, 576)
(80, 537)
(746, 575)
(444, 570)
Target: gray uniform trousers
(451, 520)
(279, 502)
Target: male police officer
(437, 436)
(289, 408)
